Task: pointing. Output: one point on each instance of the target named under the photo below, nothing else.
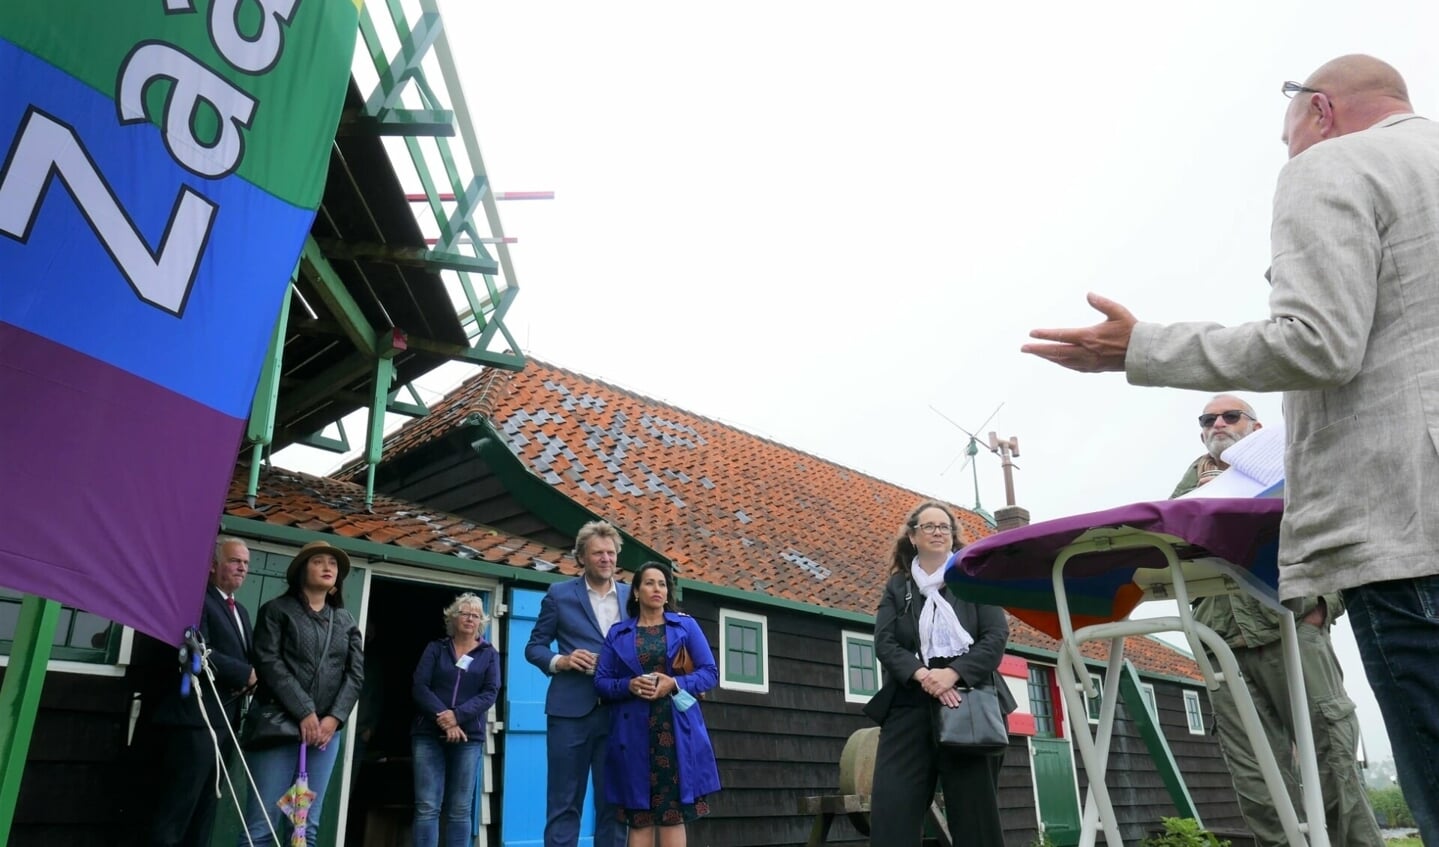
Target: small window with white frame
(1146, 691)
(1193, 712)
(744, 651)
(1096, 702)
(861, 667)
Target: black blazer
(896, 645)
(229, 662)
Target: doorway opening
(403, 616)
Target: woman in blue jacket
(456, 682)
(659, 765)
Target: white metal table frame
(1180, 581)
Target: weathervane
(1006, 450)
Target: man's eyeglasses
(935, 528)
(1231, 418)
(1291, 88)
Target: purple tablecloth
(1013, 568)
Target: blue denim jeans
(274, 770)
(445, 776)
(1396, 624)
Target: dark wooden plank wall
(1135, 786)
(69, 795)
(776, 748)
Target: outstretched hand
(1093, 349)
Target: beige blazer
(1353, 342)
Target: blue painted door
(523, 784)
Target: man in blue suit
(575, 616)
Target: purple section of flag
(111, 487)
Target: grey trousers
(1349, 818)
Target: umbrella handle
(304, 771)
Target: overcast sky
(814, 220)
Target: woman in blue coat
(659, 765)
(456, 682)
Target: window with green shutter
(744, 664)
(861, 667)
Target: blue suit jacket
(568, 621)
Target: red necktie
(230, 601)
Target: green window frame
(79, 635)
(861, 667)
(744, 659)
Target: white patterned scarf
(940, 632)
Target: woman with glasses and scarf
(456, 682)
(932, 644)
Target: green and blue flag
(160, 166)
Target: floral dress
(665, 809)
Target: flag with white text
(160, 166)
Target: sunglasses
(1231, 418)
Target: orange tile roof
(324, 505)
(727, 507)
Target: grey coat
(1353, 341)
(289, 636)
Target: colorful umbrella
(295, 802)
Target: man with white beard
(1251, 629)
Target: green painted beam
(407, 62)
(260, 431)
(321, 388)
(1158, 746)
(262, 408)
(496, 319)
(394, 404)
(376, 552)
(432, 123)
(324, 442)
(417, 409)
(414, 257)
(337, 297)
(375, 431)
(20, 698)
(505, 360)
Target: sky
(820, 221)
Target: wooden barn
(781, 556)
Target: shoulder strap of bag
(329, 632)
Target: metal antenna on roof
(970, 451)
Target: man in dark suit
(575, 615)
(172, 732)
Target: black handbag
(976, 725)
(268, 724)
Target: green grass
(1411, 841)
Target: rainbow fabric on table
(162, 163)
(1014, 568)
